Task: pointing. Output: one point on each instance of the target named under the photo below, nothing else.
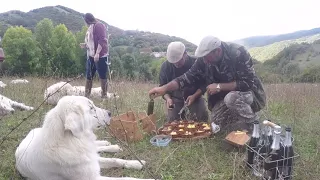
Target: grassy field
(296, 105)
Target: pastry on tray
(191, 126)
(188, 134)
(174, 123)
(181, 126)
(168, 128)
(173, 133)
(183, 122)
(200, 131)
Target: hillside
(74, 22)
(304, 55)
(258, 41)
(297, 63)
(268, 52)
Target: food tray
(183, 130)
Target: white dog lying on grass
(95, 92)
(19, 81)
(8, 106)
(65, 147)
(56, 91)
(67, 89)
(2, 85)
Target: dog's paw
(115, 148)
(134, 164)
(111, 148)
(103, 143)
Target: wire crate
(258, 165)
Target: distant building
(145, 51)
(159, 54)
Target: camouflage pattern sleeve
(244, 70)
(195, 76)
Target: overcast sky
(193, 19)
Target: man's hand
(82, 45)
(169, 103)
(212, 89)
(190, 99)
(96, 57)
(157, 91)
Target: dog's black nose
(109, 113)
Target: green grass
(296, 105)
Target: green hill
(74, 22)
(268, 52)
(295, 63)
(259, 41)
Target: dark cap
(89, 18)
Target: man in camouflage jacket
(234, 91)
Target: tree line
(54, 51)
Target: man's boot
(88, 88)
(104, 88)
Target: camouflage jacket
(236, 65)
(169, 72)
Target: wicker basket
(132, 126)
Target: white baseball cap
(175, 51)
(207, 44)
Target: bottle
(150, 107)
(253, 143)
(287, 154)
(269, 134)
(271, 163)
(263, 147)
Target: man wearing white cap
(234, 91)
(178, 62)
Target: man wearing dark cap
(97, 52)
(234, 91)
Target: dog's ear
(74, 122)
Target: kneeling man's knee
(231, 98)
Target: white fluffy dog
(2, 85)
(8, 106)
(56, 91)
(21, 81)
(65, 147)
(68, 89)
(95, 92)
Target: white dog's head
(5, 108)
(80, 115)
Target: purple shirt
(100, 37)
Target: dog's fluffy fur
(2, 85)
(8, 106)
(68, 89)
(65, 147)
(21, 81)
(56, 91)
(95, 92)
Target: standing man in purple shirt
(96, 44)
